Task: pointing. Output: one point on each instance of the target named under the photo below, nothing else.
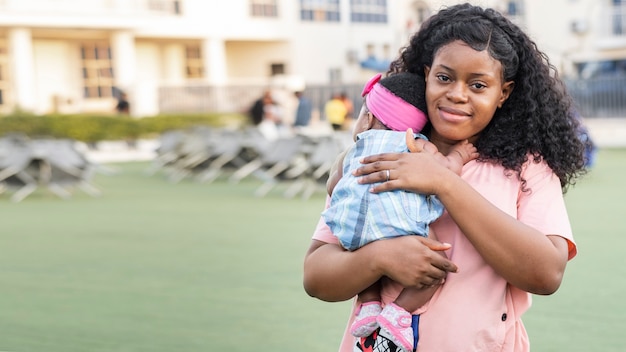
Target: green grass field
(155, 266)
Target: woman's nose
(457, 92)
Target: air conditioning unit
(579, 26)
(352, 56)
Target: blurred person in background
(304, 110)
(336, 112)
(271, 125)
(349, 110)
(123, 106)
(257, 109)
(591, 148)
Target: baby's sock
(365, 321)
(395, 324)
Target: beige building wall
(43, 44)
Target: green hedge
(94, 128)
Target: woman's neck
(444, 145)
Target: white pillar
(174, 64)
(22, 68)
(123, 48)
(214, 56)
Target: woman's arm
(525, 257)
(334, 274)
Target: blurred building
(197, 55)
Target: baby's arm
(459, 155)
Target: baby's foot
(395, 324)
(365, 322)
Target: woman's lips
(453, 115)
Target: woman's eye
(443, 78)
(478, 85)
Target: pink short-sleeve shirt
(476, 309)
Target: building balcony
(86, 14)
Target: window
(515, 8)
(193, 62)
(277, 69)
(422, 12)
(319, 10)
(334, 75)
(97, 70)
(419, 11)
(263, 8)
(619, 17)
(370, 11)
(166, 6)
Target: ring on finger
(388, 174)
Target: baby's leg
(371, 294)
(410, 299)
(365, 322)
(396, 318)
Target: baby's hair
(408, 87)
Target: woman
(506, 232)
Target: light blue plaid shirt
(358, 217)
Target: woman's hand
(413, 261)
(418, 171)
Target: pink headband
(391, 110)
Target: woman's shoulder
(531, 166)
(535, 166)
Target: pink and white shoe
(365, 322)
(395, 324)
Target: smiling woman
(506, 228)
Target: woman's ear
(507, 88)
(426, 72)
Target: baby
(393, 108)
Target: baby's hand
(417, 145)
(466, 151)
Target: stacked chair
(55, 164)
(204, 154)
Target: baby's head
(398, 102)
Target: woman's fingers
(442, 263)
(411, 261)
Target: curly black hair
(537, 116)
(408, 87)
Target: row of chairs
(58, 165)
(205, 154)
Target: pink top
(476, 309)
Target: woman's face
(464, 87)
